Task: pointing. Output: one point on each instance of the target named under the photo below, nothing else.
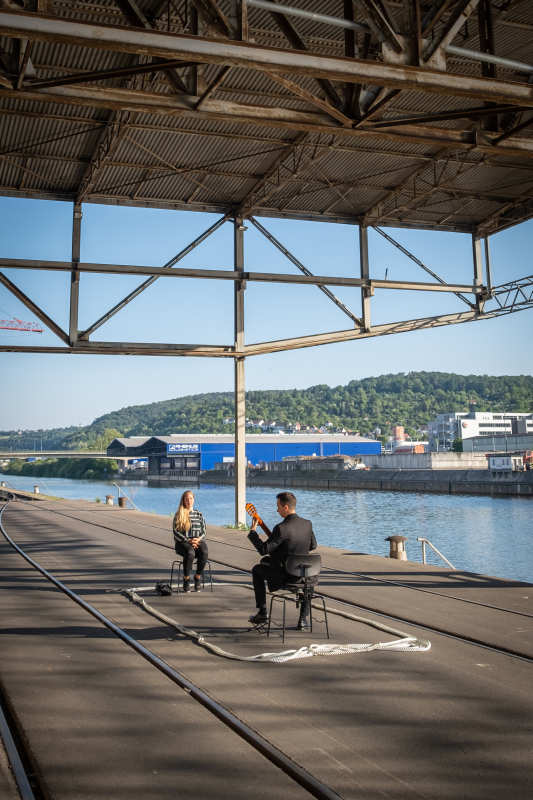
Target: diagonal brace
(304, 269)
(416, 260)
(19, 294)
(148, 282)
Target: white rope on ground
(404, 644)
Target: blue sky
(44, 391)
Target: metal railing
(425, 542)
(120, 489)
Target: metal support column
(366, 291)
(75, 275)
(478, 269)
(240, 406)
(488, 270)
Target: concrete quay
(99, 721)
(440, 481)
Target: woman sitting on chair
(189, 540)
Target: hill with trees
(408, 399)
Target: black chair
(303, 571)
(177, 564)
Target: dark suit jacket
(293, 535)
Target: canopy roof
(230, 107)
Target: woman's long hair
(183, 523)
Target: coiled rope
(405, 643)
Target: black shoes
(260, 618)
(187, 585)
(197, 584)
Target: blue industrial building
(185, 456)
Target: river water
(492, 536)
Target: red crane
(14, 324)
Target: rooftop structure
(373, 113)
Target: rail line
(264, 746)
(26, 782)
(28, 779)
(325, 568)
(379, 612)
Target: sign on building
(182, 447)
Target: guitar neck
(264, 527)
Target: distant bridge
(60, 454)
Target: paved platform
(452, 722)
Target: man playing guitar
(293, 535)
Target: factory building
(446, 428)
(184, 456)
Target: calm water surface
(492, 536)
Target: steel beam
(75, 275)
(405, 326)
(488, 267)
(240, 392)
(478, 271)
(518, 296)
(366, 290)
(281, 118)
(25, 64)
(303, 94)
(130, 349)
(456, 20)
(339, 146)
(381, 24)
(110, 74)
(235, 275)
(242, 54)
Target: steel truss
(293, 110)
(486, 302)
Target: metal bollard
(122, 502)
(397, 547)
(36, 490)
(109, 499)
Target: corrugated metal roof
(194, 144)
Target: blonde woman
(189, 540)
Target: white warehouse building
(445, 428)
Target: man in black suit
(294, 535)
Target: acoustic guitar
(252, 511)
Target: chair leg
(325, 616)
(174, 563)
(270, 616)
(208, 565)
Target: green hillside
(410, 399)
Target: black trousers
(271, 574)
(189, 554)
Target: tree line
(410, 399)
